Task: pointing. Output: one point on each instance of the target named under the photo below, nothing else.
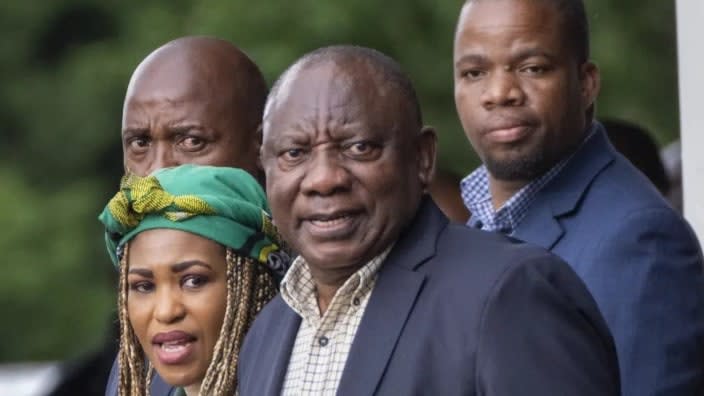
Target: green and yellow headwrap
(226, 205)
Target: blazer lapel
(277, 354)
(391, 302)
(562, 195)
(540, 226)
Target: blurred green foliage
(65, 66)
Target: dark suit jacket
(457, 311)
(638, 258)
(158, 388)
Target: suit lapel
(278, 352)
(540, 226)
(562, 195)
(391, 302)
(379, 331)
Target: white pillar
(690, 47)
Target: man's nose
(502, 89)
(162, 157)
(169, 307)
(325, 174)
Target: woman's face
(176, 301)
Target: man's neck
(502, 190)
(327, 283)
(325, 294)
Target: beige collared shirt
(323, 343)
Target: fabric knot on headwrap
(139, 196)
(226, 205)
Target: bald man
(193, 100)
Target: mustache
(506, 121)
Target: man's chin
(331, 255)
(516, 169)
(337, 256)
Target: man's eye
(138, 144)
(194, 281)
(472, 74)
(141, 286)
(192, 143)
(362, 150)
(292, 155)
(534, 70)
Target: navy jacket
(638, 258)
(457, 311)
(158, 388)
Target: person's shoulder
(622, 195)
(274, 309)
(626, 188)
(623, 215)
(459, 238)
(268, 324)
(472, 252)
(480, 265)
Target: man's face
(520, 93)
(345, 167)
(176, 301)
(173, 117)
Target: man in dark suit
(194, 100)
(525, 92)
(386, 296)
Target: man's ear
(427, 152)
(590, 80)
(258, 145)
(258, 153)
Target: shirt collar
(477, 197)
(298, 287)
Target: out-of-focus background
(65, 65)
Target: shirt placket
(323, 346)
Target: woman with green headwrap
(194, 248)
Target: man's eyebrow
(294, 134)
(134, 131)
(471, 58)
(184, 127)
(184, 265)
(142, 272)
(531, 52)
(183, 124)
(517, 57)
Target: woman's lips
(172, 353)
(174, 347)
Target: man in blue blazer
(386, 296)
(525, 93)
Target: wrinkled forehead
(330, 92)
(171, 77)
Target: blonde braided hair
(250, 285)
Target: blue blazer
(638, 258)
(456, 311)
(158, 388)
